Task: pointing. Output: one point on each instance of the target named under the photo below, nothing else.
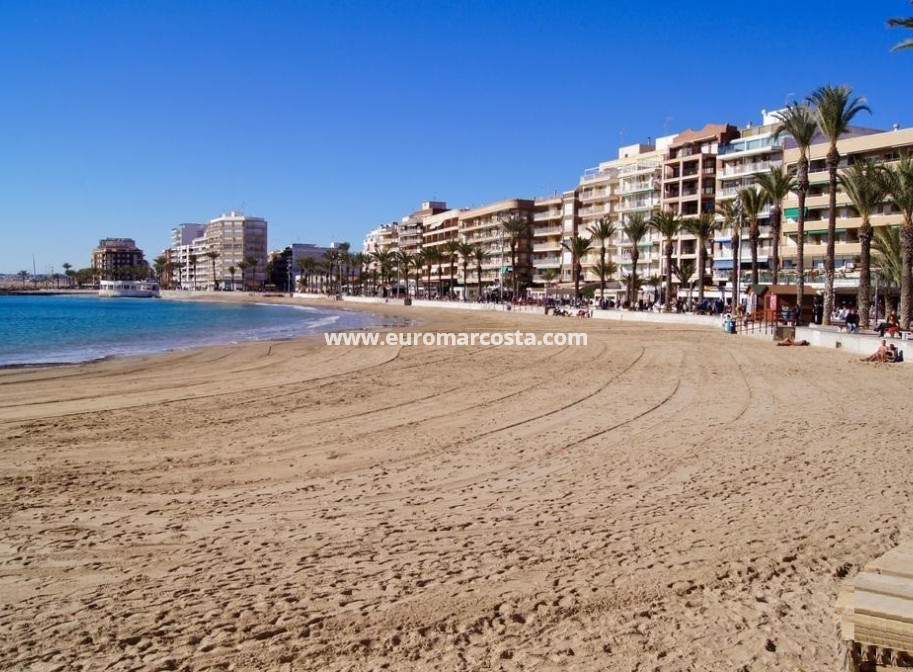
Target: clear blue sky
(329, 118)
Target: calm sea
(61, 329)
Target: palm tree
(516, 229)
(434, 256)
(887, 258)
(684, 271)
(865, 186)
(898, 183)
(752, 201)
(231, 271)
(357, 266)
(606, 269)
(243, 265)
(68, 271)
(835, 108)
(252, 263)
(192, 262)
(635, 229)
(213, 255)
(702, 228)
(23, 275)
(405, 261)
(479, 255)
(668, 225)
(655, 281)
(342, 258)
(465, 252)
(799, 122)
(549, 275)
(578, 246)
(902, 23)
(602, 231)
(451, 250)
(775, 187)
(382, 260)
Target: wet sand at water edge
(670, 498)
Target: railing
(543, 216)
(547, 247)
(549, 231)
(753, 146)
(761, 321)
(742, 169)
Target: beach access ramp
(876, 614)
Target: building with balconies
(116, 258)
(554, 221)
(484, 226)
(240, 243)
(739, 162)
(859, 144)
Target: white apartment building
(235, 238)
(754, 152)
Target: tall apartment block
(234, 237)
(483, 226)
(860, 145)
(739, 162)
(114, 256)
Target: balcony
(545, 216)
(547, 231)
(732, 170)
(597, 210)
(592, 194)
(547, 247)
(752, 146)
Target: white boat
(136, 289)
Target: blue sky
(329, 118)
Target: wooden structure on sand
(876, 614)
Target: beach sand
(670, 498)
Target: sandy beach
(670, 498)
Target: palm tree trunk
(802, 184)
(479, 277)
(576, 267)
(465, 280)
(833, 158)
(754, 235)
(864, 299)
(602, 272)
(776, 223)
(668, 306)
(513, 268)
(906, 273)
(452, 276)
(701, 253)
(635, 257)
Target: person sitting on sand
(789, 341)
(880, 355)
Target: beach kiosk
(777, 303)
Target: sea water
(69, 329)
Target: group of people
(885, 353)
